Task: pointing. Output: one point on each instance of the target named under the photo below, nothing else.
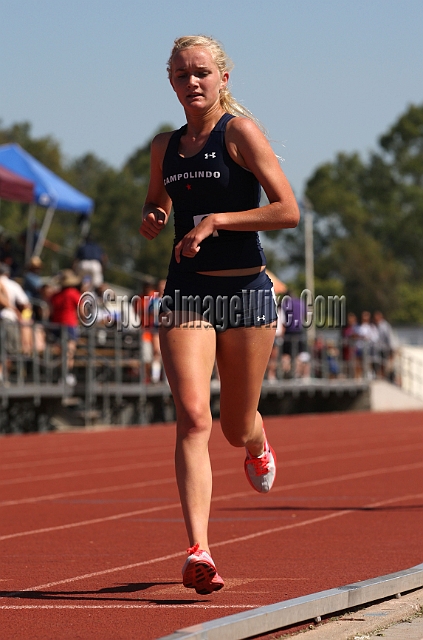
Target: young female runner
(218, 302)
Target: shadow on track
(89, 596)
(387, 508)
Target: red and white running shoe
(199, 572)
(261, 470)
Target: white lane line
(188, 605)
(97, 490)
(77, 440)
(322, 481)
(141, 450)
(115, 447)
(83, 523)
(84, 472)
(104, 572)
(288, 463)
(222, 543)
(304, 523)
(352, 441)
(233, 496)
(118, 447)
(87, 492)
(86, 458)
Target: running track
(92, 539)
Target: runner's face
(196, 78)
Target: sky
(323, 76)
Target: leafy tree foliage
(368, 222)
(152, 257)
(138, 164)
(45, 149)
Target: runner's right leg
(188, 353)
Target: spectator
(273, 365)
(349, 337)
(33, 287)
(64, 312)
(367, 338)
(32, 281)
(9, 254)
(46, 291)
(154, 309)
(144, 315)
(4, 303)
(295, 358)
(90, 261)
(332, 359)
(386, 347)
(17, 315)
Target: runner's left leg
(242, 357)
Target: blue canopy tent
(50, 191)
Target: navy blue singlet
(211, 182)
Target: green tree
(138, 164)
(152, 255)
(368, 222)
(46, 149)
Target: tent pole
(30, 232)
(44, 230)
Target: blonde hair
(223, 62)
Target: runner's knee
(193, 420)
(237, 434)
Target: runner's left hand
(189, 246)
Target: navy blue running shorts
(226, 302)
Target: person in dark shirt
(295, 355)
(90, 261)
(210, 171)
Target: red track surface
(93, 541)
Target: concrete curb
(359, 624)
(274, 617)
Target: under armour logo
(210, 155)
(261, 318)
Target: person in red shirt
(64, 311)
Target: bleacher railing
(111, 365)
(411, 370)
(36, 353)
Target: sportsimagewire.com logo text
(135, 312)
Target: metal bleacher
(113, 385)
